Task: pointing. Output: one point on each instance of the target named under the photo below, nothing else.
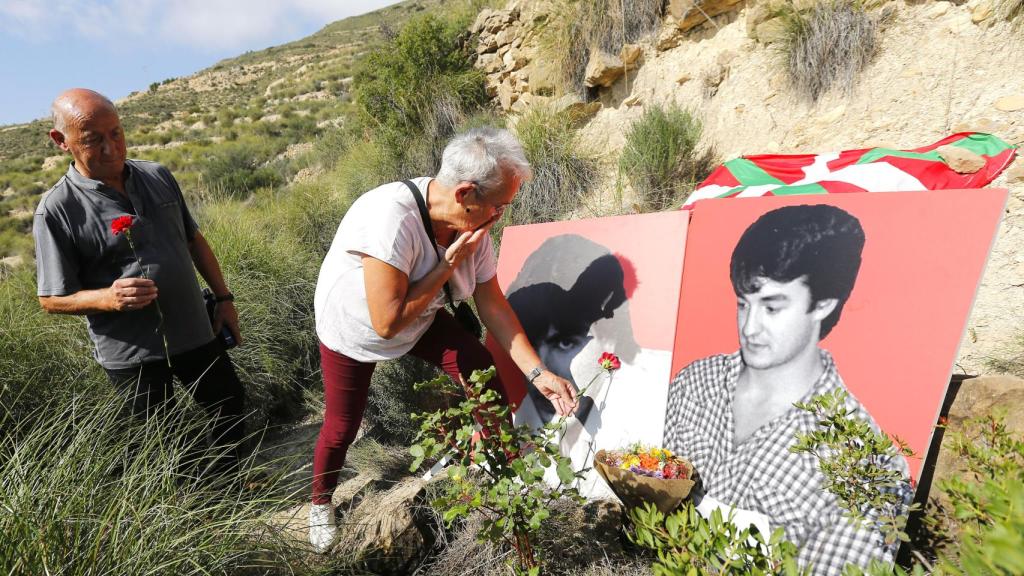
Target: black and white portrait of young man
(732, 414)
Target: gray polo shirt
(76, 250)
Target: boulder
(492, 21)
(390, 533)
(668, 37)
(486, 43)
(692, 13)
(630, 53)
(603, 69)
(51, 162)
(545, 77)
(503, 37)
(514, 59)
(634, 100)
(762, 12)
(507, 95)
(961, 160)
(489, 63)
(576, 106)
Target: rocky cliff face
(941, 67)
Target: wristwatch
(229, 297)
(535, 373)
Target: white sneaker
(322, 530)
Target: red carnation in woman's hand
(120, 224)
(609, 361)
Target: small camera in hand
(226, 337)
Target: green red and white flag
(867, 170)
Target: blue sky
(117, 46)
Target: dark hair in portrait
(819, 243)
(565, 286)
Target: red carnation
(120, 224)
(609, 361)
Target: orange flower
(649, 462)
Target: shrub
(564, 173)
(828, 46)
(686, 542)
(507, 486)
(416, 83)
(660, 158)
(576, 28)
(238, 168)
(987, 497)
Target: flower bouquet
(640, 474)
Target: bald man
(84, 268)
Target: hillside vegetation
(272, 147)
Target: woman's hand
(558, 390)
(466, 243)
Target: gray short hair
(482, 155)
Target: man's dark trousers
(208, 373)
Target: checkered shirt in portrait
(761, 474)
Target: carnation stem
(159, 311)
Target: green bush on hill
(238, 168)
(411, 83)
(660, 157)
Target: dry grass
(575, 28)
(1012, 10)
(575, 541)
(564, 173)
(828, 46)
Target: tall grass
(43, 358)
(564, 172)
(86, 491)
(1012, 10)
(660, 158)
(828, 46)
(576, 28)
(269, 250)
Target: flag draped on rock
(867, 170)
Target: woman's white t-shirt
(385, 224)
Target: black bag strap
(425, 217)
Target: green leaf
(565, 471)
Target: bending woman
(381, 292)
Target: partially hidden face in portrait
(571, 297)
(733, 415)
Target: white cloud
(199, 24)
